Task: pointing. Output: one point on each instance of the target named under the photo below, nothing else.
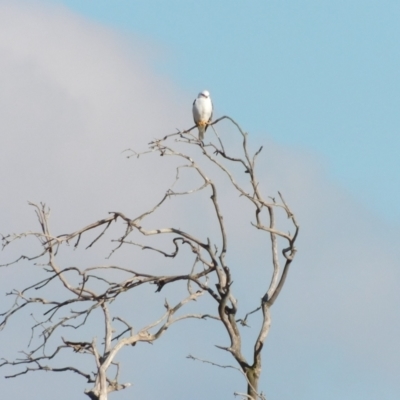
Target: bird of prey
(202, 112)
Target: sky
(315, 82)
(318, 75)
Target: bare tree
(85, 296)
(207, 274)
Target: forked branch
(90, 291)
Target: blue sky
(315, 82)
(320, 75)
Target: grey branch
(89, 291)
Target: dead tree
(85, 296)
(207, 274)
(264, 220)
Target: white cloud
(73, 97)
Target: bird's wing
(195, 111)
(211, 115)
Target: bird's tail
(202, 130)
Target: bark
(253, 377)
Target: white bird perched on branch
(202, 112)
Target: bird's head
(205, 94)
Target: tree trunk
(253, 376)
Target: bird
(202, 112)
